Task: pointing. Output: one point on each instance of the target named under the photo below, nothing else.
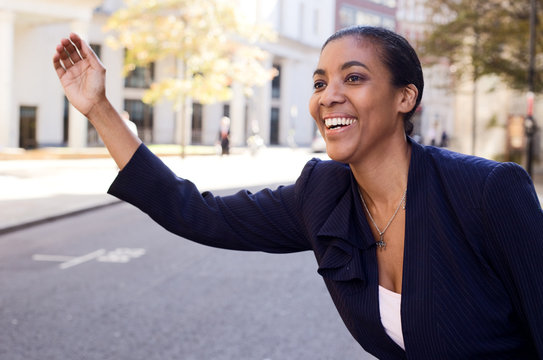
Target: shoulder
(511, 184)
(464, 179)
(476, 169)
(453, 162)
(464, 172)
(324, 177)
(323, 172)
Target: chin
(339, 156)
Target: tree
(214, 47)
(487, 36)
(483, 37)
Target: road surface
(111, 284)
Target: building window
(387, 3)
(276, 83)
(93, 139)
(27, 127)
(226, 110)
(349, 16)
(141, 77)
(247, 121)
(196, 134)
(66, 121)
(367, 18)
(97, 48)
(142, 115)
(274, 126)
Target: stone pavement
(51, 183)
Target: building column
(237, 116)
(289, 108)
(8, 120)
(262, 100)
(183, 112)
(78, 123)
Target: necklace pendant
(381, 244)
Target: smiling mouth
(336, 123)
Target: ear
(408, 98)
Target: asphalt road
(111, 284)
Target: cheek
(314, 107)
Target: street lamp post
(529, 124)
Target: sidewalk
(50, 183)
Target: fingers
(72, 50)
(59, 68)
(68, 53)
(78, 44)
(85, 50)
(65, 56)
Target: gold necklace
(381, 244)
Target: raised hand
(81, 73)
(83, 77)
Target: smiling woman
(418, 246)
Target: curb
(44, 220)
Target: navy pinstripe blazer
(472, 279)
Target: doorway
(27, 127)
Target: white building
(31, 104)
(34, 112)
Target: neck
(382, 177)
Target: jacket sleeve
(514, 227)
(263, 221)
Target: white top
(389, 307)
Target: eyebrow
(347, 65)
(352, 63)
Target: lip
(334, 133)
(337, 115)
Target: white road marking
(59, 258)
(122, 255)
(119, 255)
(82, 259)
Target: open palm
(81, 73)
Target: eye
(319, 84)
(354, 78)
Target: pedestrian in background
(427, 253)
(131, 125)
(224, 135)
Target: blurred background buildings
(35, 113)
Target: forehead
(350, 48)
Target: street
(111, 284)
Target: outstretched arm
(82, 76)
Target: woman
(427, 254)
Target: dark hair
(398, 56)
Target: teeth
(330, 122)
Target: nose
(332, 94)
